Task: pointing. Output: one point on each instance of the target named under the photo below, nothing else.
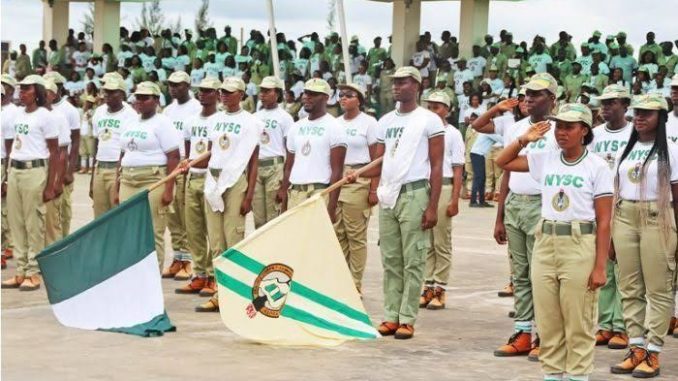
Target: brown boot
(31, 283)
(619, 340)
(649, 367)
(9, 254)
(518, 345)
(174, 268)
(534, 352)
(388, 328)
(193, 287)
(603, 337)
(426, 297)
(438, 301)
(210, 288)
(672, 326)
(211, 305)
(13, 282)
(633, 358)
(185, 272)
(404, 332)
(507, 291)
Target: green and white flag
(105, 275)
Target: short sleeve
(434, 127)
(603, 185)
(290, 138)
(536, 161)
(380, 132)
(673, 161)
(186, 132)
(168, 142)
(337, 135)
(49, 130)
(372, 128)
(287, 123)
(458, 148)
(74, 118)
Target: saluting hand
(537, 131)
(507, 104)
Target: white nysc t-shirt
(31, 131)
(630, 170)
(148, 141)
(607, 143)
(523, 183)
(107, 128)
(454, 150)
(179, 114)
(277, 124)
(361, 133)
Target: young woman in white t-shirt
(644, 234)
(150, 151)
(572, 239)
(31, 181)
(356, 200)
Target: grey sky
(22, 19)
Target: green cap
(354, 38)
(9, 80)
(609, 37)
(408, 71)
(317, 85)
(438, 97)
(614, 92)
(210, 83)
(621, 34)
(147, 88)
(597, 33)
(179, 76)
(543, 81)
(272, 82)
(652, 101)
(55, 76)
(355, 87)
(115, 83)
(233, 84)
(33, 79)
(496, 45)
(574, 112)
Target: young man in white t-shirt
(411, 140)
(182, 108)
(439, 257)
(316, 149)
(272, 151)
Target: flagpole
(344, 40)
(357, 173)
(273, 39)
(178, 171)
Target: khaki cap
(674, 80)
(147, 88)
(272, 82)
(33, 79)
(408, 71)
(318, 85)
(233, 84)
(522, 91)
(614, 92)
(115, 83)
(210, 83)
(9, 80)
(355, 87)
(439, 97)
(543, 81)
(112, 74)
(178, 77)
(574, 112)
(55, 76)
(50, 85)
(653, 101)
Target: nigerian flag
(288, 283)
(105, 275)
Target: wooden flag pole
(178, 172)
(358, 172)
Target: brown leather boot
(13, 282)
(633, 358)
(519, 344)
(173, 269)
(506, 292)
(534, 352)
(388, 328)
(185, 272)
(438, 301)
(603, 337)
(426, 297)
(210, 288)
(211, 305)
(404, 332)
(31, 283)
(619, 340)
(193, 287)
(649, 367)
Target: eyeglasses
(346, 95)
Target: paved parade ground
(452, 344)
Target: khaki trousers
(647, 265)
(66, 209)
(296, 197)
(6, 240)
(53, 218)
(26, 212)
(565, 309)
(439, 257)
(176, 222)
(225, 229)
(196, 223)
(493, 172)
(353, 216)
(136, 179)
(470, 138)
(268, 183)
(102, 190)
(610, 317)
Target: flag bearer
(150, 151)
(31, 181)
(231, 175)
(572, 239)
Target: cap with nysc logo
(614, 92)
(652, 101)
(115, 83)
(355, 87)
(272, 82)
(542, 81)
(55, 76)
(178, 77)
(210, 83)
(9, 80)
(574, 112)
(33, 79)
(147, 88)
(317, 85)
(438, 97)
(232, 84)
(50, 85)
(409, 71)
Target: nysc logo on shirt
(560, 202)
(108, 123)
(199, 131)
(312, 131)
(610, 146)
(564, 180)
(635, 173)
(539, 144)
(270, 290)
(21, 128)
(228, 127)
(136, 134)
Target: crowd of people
(577, 149)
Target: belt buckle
(28, 164)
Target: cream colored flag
(288, 283)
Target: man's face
(674, 96)
(539, 48)
(538, 101)
(313, 101)
(178, 90)
(405, 89)
(650, 38)
(208, 97)
(489, 40)
(613, 109)
(438, 108)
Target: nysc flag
(288, 283)
(105, 275)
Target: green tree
(202, 21)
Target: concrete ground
(452, 344)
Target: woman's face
(145, 104)
(27, 95)
(645, 121)
(570, 134)
(349, 99)
(475, 101)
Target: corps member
(9, 111)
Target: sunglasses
(346, 95)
